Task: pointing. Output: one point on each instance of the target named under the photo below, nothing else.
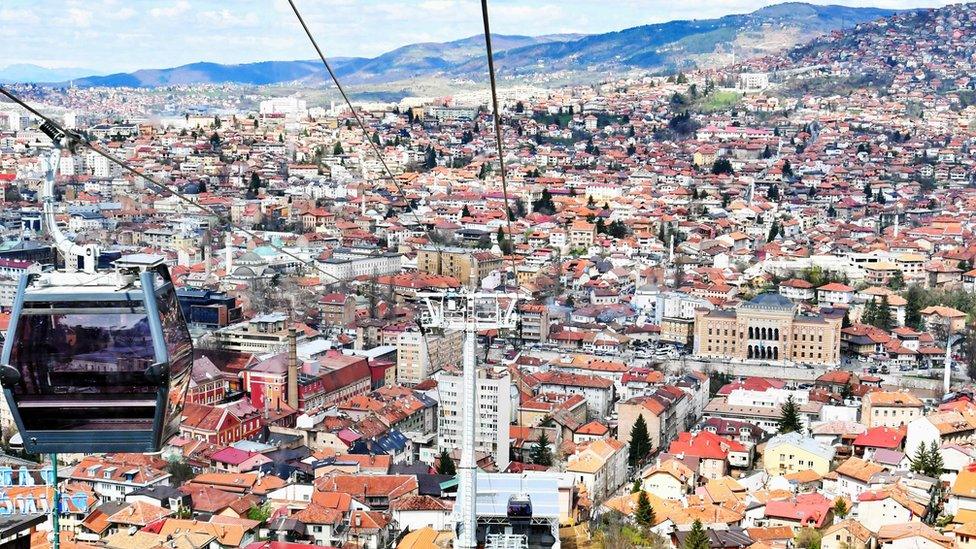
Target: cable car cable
(359, 122)
(169, 191)
(497, 118)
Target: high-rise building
(494, 412)
(467, 265)
(418, 357)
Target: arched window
(749, 352)
(775, 353)
(763, 333)
(776, 334)
(751, 335)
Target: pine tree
(869, 313)
(697, 538)
(913, 307)
(465, 212)
(337, 149)
(445, 464)
(920, 461)
(773, 231)
(787, 169)
(636, 486)
(882, 317)
(644, 514)
(789, 417)
(541, 454)
(936, 464)
(640, 441)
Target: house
(890, 505)
(876, 438)
(962, 495)
(415, 512)
(794, 452)
(890, 408)
(714, 453)
(803, 510)
(854, 477)
(671, 479)
(113, 476)
(796, 289)
(835, 293)
(600, 466)
(940, 317)
(846, 534)
(943, 427)
(911, 535)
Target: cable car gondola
(520, 506)
(95, 361)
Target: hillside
(657, 47)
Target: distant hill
(657, 47)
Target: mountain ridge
(659, 47)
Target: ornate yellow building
(767, 329)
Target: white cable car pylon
(469, 312)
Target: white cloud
(177, 8)
(79, 17)
(225, 18)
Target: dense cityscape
(745, 301)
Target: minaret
(228, 253)
(896, 223)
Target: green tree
(697, 538)
(807, 538)
(773, 192)
(544, 204)
(897, 281)
(337, 149)
(789, 417)
(882, 317)
(869, 313)
(914, 305)
(840, 508)
(773, 231)
(465, 212)
(445, 463)
(260, 513)
(640, 441)
(787, 169)
(179, 470)
(936, 464)
(920, 461)
(722, 166)
(541, 454)
(636, 486)
(644, 514)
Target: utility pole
(470, 312)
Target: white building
(493, 417)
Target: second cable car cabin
(97, 362)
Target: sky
(125, 35)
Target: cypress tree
(640, 441)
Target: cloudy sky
(124, 35)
